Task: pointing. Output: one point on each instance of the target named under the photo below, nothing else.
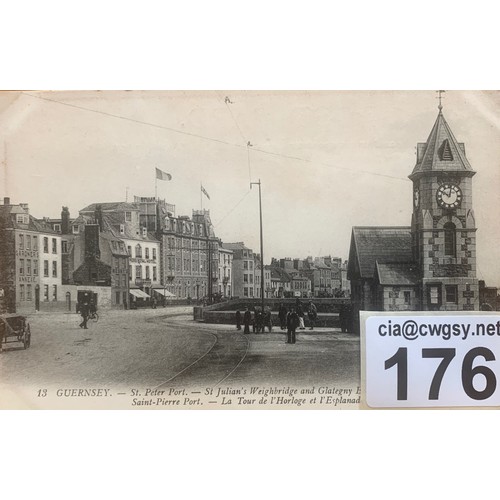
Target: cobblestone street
(161, 348)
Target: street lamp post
(261, 246)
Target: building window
(21, 242)
(54, 245)
(245, 278)
(46, 293)
(251, 278)
(407, 297)
(57, 228)
(21, 266)
(250, 263)
(130, 273)
(450, 240)
(35, 242)
(128, 218)
(147, 272)
(45, 245)
(146, 253)
(29, 295)
(54, 292)
(21, 293)
(64, 246)
(35, 268)
(154, 273)
(451, 294)
(46, 268)
(54, 269)
(138, 271)
(245, 292)
(251, 292)
(76, 229)
(122, 228)
(138, 251)
(154, 253)
(434, 295)
(28, 267)
(245, 264)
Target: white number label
(434, 360)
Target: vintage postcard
(214, 249)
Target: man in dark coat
(267, 320)
(247, 318)
(300, 313)
(84, 312)
(312, 314)
(238, 320)
(282, 315)
(292, 322)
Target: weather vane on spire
(439, 92)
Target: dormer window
(445, 153)
(144, 232)
(22, 219)
(76, 229)
(122, 228)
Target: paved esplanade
(166, 348)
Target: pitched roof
(235, 246)
(9, 220)
(111, 206)
(397, 273)
(382, 244)
(280, 274)
(442, 152)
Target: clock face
(449, 196)
(416, 198)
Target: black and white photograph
(203, 250)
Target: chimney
(98, 217)
(92, 241)
(6, 200)
(65, 220)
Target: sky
(327, 160)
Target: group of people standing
(257, 318)
(291, 319)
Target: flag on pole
(204, 192)
(163, 176)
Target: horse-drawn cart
(14, 328)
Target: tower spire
(439, 92)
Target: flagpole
(201, 197)
(156, 186)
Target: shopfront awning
(163, 292)
(138, 293)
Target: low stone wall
(330, 320)
(330, 305)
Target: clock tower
(443, 226)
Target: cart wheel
(27, 337)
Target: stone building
(430, 265)
(30, 261)
(243, 270)
(225, 272)
(124, 221)
(189, 255)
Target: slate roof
(235, 246)
(111, 206)
(9, 220)
(279, 274)
(379, 243)
(432, 156)
(397, 273)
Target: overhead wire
(215, 140)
